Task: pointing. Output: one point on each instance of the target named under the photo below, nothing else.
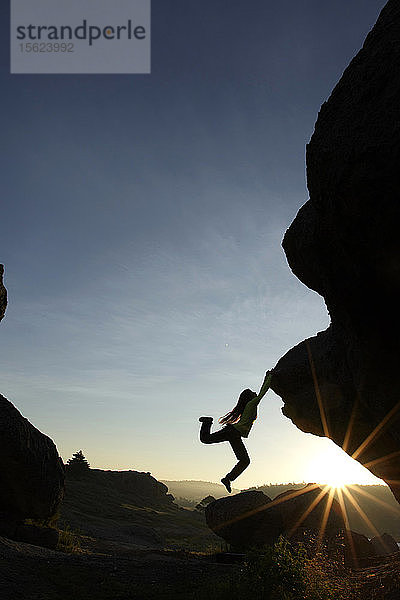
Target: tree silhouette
(78, 465)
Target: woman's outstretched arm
(265, 386)
(250, 411)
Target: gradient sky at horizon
(141, 235)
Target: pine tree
(78, 465)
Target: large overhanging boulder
(345, 244)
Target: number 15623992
(47, 47)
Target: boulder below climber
(244, 520)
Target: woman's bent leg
(212, 438)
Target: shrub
(283, 572)
(276, 573)
(78, 466)
(68, 541)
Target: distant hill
(274, 489)
(189, 493)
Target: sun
(336, 484)
(335, 468)
(335, 474)
(335, 479)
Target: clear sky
(141, 223)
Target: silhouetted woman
(238, 423)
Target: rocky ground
(379, 581)
(122, 537)
(107, 571)
(103, 570)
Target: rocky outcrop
(344, 244)
(357, 548)
(309, 509)
(3, 294)
(142, 487)
(31, 472)
(384, 545)
(251, 518)
(201, 506)
(47, 537)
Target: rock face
(3, 294)
(305, 510)
(344, 244)
(146, 489)
(201, 506)
(31, 472)
(357, 548)
(384, 544)
(37, 536)
(251, 518)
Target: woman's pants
(227, 434)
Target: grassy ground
(99, 509)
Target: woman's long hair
(234, 415)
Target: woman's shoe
(226, 483)
(205, 419)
